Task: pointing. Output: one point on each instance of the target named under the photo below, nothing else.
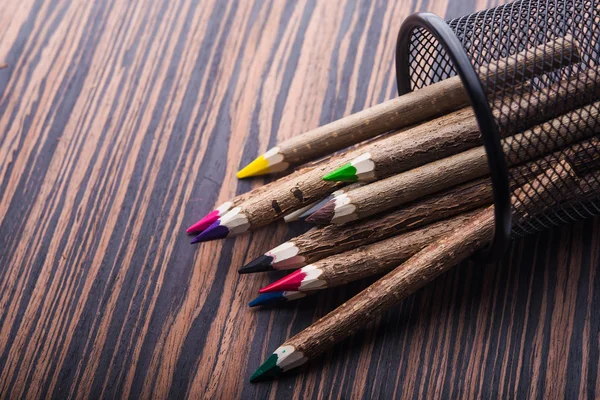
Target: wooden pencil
(283, 196)
(304, 212)
(408, 186)
(323, 242)
(305, 189)
(275, 298)
(458, 131)
(420, 269)
(365, 261)
(431, 101)
(309, 188)
(328, 240)
(278, 201)
(238, 200)
(223, 208)
(588, 187)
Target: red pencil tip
(290, 282)
(204, 223)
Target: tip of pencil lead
(259, 166)
(323, 215)
(267, 371)
(260, 264)
(290, 282)
(316, 207)
(346, 173)
(213, 232)
(268, 299)
(204, 223)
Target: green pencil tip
(347, 173)
(267, 371)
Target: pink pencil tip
(204, 223)
(290, 282)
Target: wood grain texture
(123, 122)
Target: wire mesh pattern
(549, 110)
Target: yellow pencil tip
(259, 166)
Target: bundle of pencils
(404, 189)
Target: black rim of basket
(437, 27)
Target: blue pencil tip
(268, 299)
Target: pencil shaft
(330, 240)
(428, 102)
(381, 257)
(420, 269)
(417, 271)
(441, 174)
(334, 239)
(309, 187)
(459, 131)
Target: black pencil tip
(261, 264)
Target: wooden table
(121, 122)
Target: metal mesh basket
(508, 103)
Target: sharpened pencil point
(259, 166)
(260, 264)
(213, 232)
(267, 371)
(346, 173)
(268, 299)
(324, 215)
(290, 282)
(315, 207)
(204, 223)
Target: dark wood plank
(123, 122)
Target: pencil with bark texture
(223, 208)
(365, 261)
(331, 276)
(304, 212)
(409, 109)
(420, 269)
(408, 186)
(384, 159)
(309, 188)
(319, 243)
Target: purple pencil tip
(213, 232)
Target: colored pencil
(306, 188)
(304, 212)
(282, 199)
(276, 298)
(297, 193)
(459, 130)
(408, 186)
(365, 261)
(420, 269)
(295, 215)
(222, 209)
(412, 108)
(328, 240)
(319, 243)
(382, 256)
